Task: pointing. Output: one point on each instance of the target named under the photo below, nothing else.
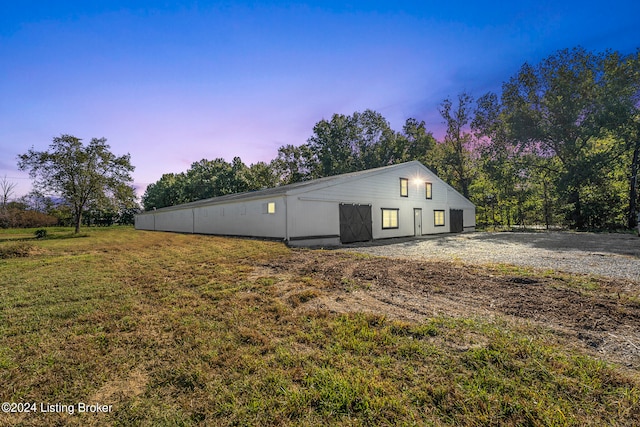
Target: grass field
(174, 329)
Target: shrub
(25, 219)
(41, 233)
(15, 250)
(35, 219)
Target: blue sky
(172, 82)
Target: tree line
(559, 146)
(340, 145)
(562, 143)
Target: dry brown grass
(176, 329)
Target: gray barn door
(355, 223)
(456, 220)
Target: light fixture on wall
(417, 180)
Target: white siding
(145, 222)
(180, 221)
(311, 217)
(313, 210)
(316, 210)
(246, 218)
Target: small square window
(428, 188)
(404, 187)
(438, 218)
(269, 208)
(389, 218)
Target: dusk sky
(173, 82)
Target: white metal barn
(393, 201)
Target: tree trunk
(486, 214)
(493, 215)
(633, 188)
(465, 187)
(578, 219)
(547, 216)
(78, 220)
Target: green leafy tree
(331, 143)
(107, 211)
(506, 186)
(293, 164)
(169, 190)
(209, 178)
(351, 143)
(625, 79)
(633, 142)
(416, 143)
(204, 179)
(79, 174)
(456, 146)
(237, 177)
(564, 108)
(373, 134)
(260, 176)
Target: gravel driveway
(610, 255)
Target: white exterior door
(417, 222)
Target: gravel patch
(609, 255)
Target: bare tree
(6, 190)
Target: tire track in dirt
(604, 320)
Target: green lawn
(174, 329)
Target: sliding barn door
(355, 223)
(456, 220)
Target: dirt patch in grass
(597, 314)
(130, 386)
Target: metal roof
(283, 189)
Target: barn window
(389, 218)
(404, 187)
(428, 190)
(438, 218)
(269, 208)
